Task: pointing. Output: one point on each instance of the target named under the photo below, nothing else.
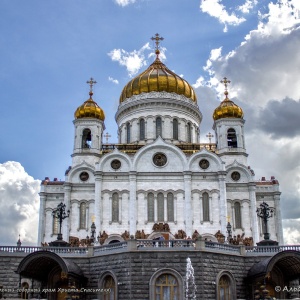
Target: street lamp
(60, 214)
(93, 231)
(265, 212)
(229, 231)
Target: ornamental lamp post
(265, 212)
(229, 227)
(93, 231)
(60, 214)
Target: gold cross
(209, 135)
(107, 135)
(91, 82)
(225, 81)
(157, 38)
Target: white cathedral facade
(159, 179)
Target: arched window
(170, 207)
(225, 286)
(127, 133)
(166, 284)
(86, 138)
(231, 138)
(82, 216)
(115, 208)
(142, 129)
(189, 132)
(108, 282)
(55, 226)
(150, 205)
(205, 207)
(160, 207)
(237, 215)
(175, 129)
(166, 287)
(158, 127)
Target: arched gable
(143, 160)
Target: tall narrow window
(189, 133)
(115, 208)
(142, 129)
(170, 207)
(160, 207)
(86, 138)
(82, 218)
(231, 138)
(55, 226)
(175, 129)
(158, 127)
(224, 291)
(205, 207)
(166, 287)
(150, 206)
(109, 283)
(127, 133)
(237, 215)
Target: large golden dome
(158, 78)
(89, 109)
(227, 108)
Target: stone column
(278, 220)
(223, 201)
(42, 214)
(132, 202)
(98, 204)
(254, 223)
(187, 175)
(66, 225)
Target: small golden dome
(158, 78)
(89, 109)
(227, 108)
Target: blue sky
(50, 49)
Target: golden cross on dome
(107, 135)
(91, 82)
(225, 81)
(209, 135)
(157, 38)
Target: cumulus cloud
(263, 71)
(247, 6)
(280, 118)
(19, 205)
(133, 61)
(217, 10)
(115, 81)
(124, 2)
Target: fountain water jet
(190, 286)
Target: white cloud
(133, 61)
(247, 6)
(199, 82)
(19, 204)
(115, 81)
(264, 67)
(264, 74)
(291, 231)
(124, 2)
(217, 10)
